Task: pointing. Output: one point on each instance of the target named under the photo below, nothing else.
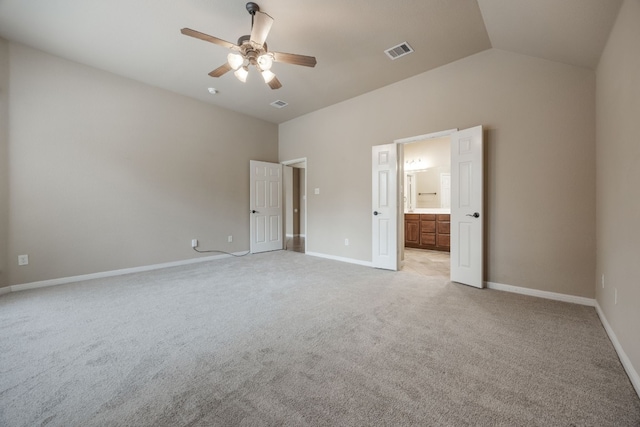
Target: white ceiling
(141, 39)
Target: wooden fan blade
(220, 70)
(292, 58)
(261, 26)
(275, 83)
(206, 37)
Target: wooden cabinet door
(412, 232)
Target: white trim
(624, 359)
(342, 259)
(5, 290)
(542, 294)
(73, 279)
(294, 161)
(417, 138)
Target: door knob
(254, 211)
(475, 215)
(377, 213)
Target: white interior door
(467, 215)
(265, 206)
(385, 206)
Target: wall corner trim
(542, 294)
(339, 258)
(73, 279)
(624, 359)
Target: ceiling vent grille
(279, 104)
(400, 50)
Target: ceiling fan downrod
(252, 8)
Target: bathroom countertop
(429, 211)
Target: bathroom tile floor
(426, 263)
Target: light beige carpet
(286, 339)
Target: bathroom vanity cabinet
(427, 231)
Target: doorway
(295, 204)
(427, 206)
(465, 219)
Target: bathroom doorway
(427, 206)
(295, 204)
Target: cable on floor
(222, 252)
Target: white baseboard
(5, 290)
(342, 259)
(542, 294)
(72, 279)
(624, 359)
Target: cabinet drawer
(412, 217)
(428, 226)
(428, 239)
(444, 217)
(444, 227)
(427, 217)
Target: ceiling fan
(252, 50)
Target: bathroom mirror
(427, 175)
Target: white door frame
(304, 200)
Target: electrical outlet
(194, 243)
(230, 239)
(23, 259)
(346, 242)
(316, 191)
(603, 281)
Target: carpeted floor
(286, 339)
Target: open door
(467, 214)
(265, 206)
(385, 206)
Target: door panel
(384, 207)
(265, 206)
(467, 214)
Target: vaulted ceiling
(141, 40)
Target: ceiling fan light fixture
(265, 61)
(235, 60)
(242, 73)
(267, 75)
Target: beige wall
(539, 116)
(618, 180)
(4, 159)
(107, 173)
